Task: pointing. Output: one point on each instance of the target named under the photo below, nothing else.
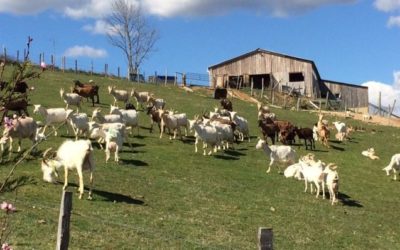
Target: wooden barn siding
(352, 96)
(260, 63)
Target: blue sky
(352, 41)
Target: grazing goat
(71, 99)
(89, 90)
(141, 97)
(119, 95)
(96, 114)
(370, 153)
(394, 166)
(130, 117)
(18, 128)
(73, 155)
(332, 181)
(226, 104)
(52, 116)
(307, 135)
(283, 154)
(98, 131)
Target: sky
(351, 41)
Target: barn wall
(353, 96)
(265, 63)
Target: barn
(284, 73)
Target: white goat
(314, 174)
(370, 153)
(141, 97)
(158, 103)
(114, 141)
(53, 116)
(242, 126)
(18, 128)
(341, 129)
(394, 165)
(130, 117)
(73, 155)
(332, 181)
(98, 131)
(119, 95)
(79, 123)
(71, 99)
(173, 122)
(206, 133)
(283, 154)
(293, 170)
(105, 118)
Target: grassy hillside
(164, 196)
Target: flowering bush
(4, 224)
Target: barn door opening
(235, 81)
(258, 79)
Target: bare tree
(131, 32)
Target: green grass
(164, 196)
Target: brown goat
(307, 135)
(90, 90)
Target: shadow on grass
(110, 197)
(114, 197)
(226, 157)
(347, 201)
(13, 184)
(232, 152)
(136, 163)
(337, 148)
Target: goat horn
(46, 152)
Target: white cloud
(169, 8)
(389, 92)
(394, 21)
(387, 5)
(100, 27)
(97, 9)
(85, 51)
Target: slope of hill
(164, 196)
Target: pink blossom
(8, 207)
(5, 246)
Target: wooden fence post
(63, 64)
(76, 66)
(17, 55)
(165, 77)
(326, 101)
(379, 104)
(298, 103)
(265, 238)
(251, 88)
(176, 79)
(52, 62)
(63, 221)
(119, 72)
(262, 88)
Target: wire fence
(68, 64)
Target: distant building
(289, 73)
(161, 79)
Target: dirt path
(394, 122)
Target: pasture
(164, 196)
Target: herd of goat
(217, 130)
